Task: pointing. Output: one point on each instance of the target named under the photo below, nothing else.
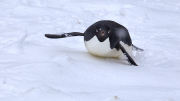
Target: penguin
(105, 38)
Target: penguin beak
(102, 33)
(102, 36)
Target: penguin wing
(130, 60)
(121, 34)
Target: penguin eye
(108, 31)
(96, 30)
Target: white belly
(94, 46)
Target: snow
(35, 68)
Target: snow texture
(35, 68)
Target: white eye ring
(108, 31)
(96, 30)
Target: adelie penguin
(105, 39)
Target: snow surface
(35, 68)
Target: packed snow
(35, 68)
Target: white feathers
(67, 35)
(94, 46)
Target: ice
(22, 37)
(114, 98)
(36, 68)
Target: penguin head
(102, 32)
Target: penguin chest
(94, 46)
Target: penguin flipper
(64, 35)
(130, 60)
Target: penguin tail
(64, 35)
